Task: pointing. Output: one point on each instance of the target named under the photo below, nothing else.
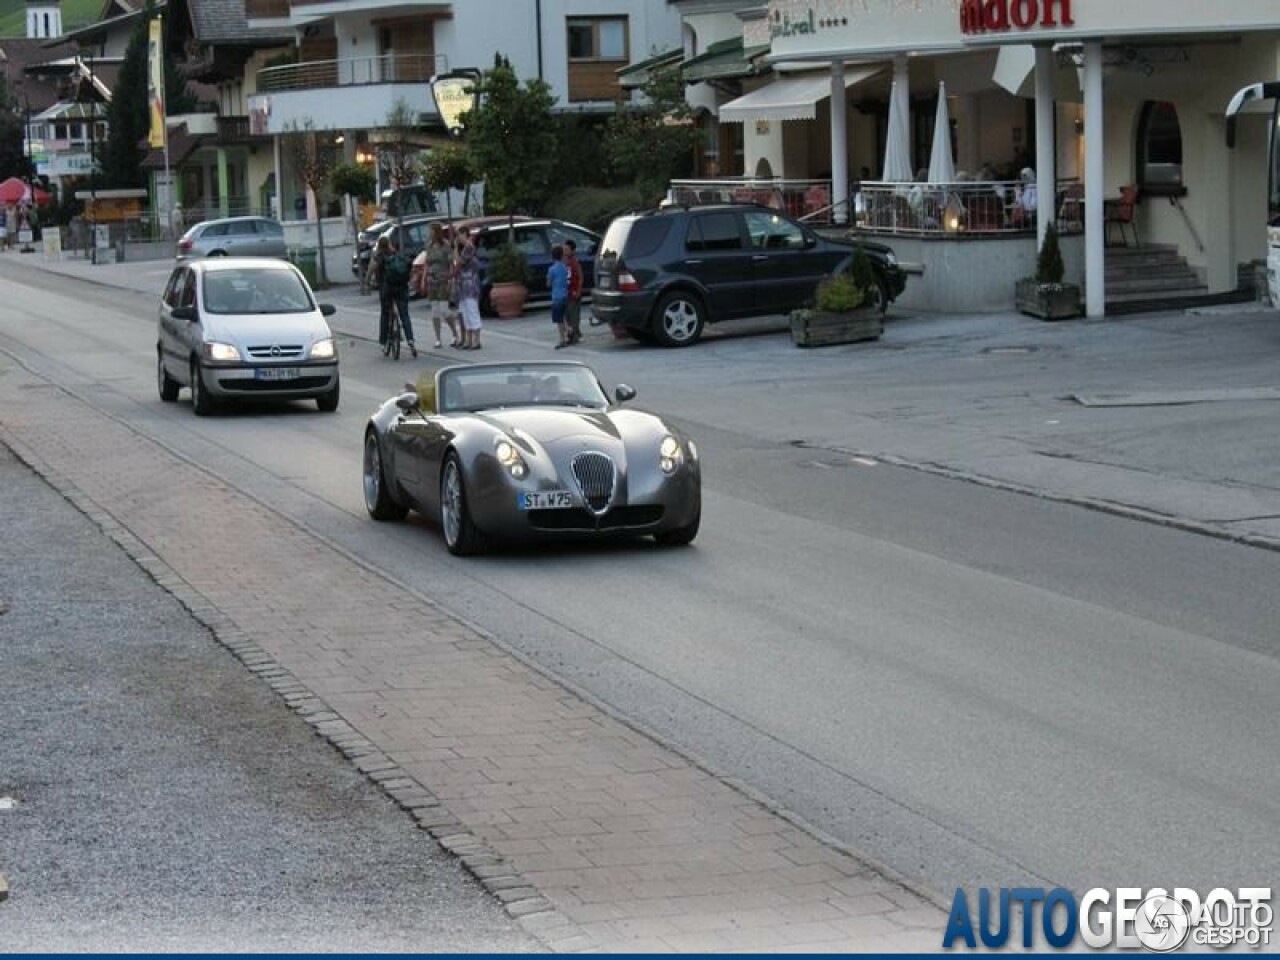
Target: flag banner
(155, 83)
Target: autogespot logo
(1130, 918)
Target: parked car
(664, 274)
(526, 452)
(412, 232)
(236, 328)
(534, 238)
(233, 237)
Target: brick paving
(594, 836)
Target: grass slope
(75, 14)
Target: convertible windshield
(520, 385)
(251, 290)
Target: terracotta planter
(820, 328)
(1060, 304)
(508, 299)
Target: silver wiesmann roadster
(526, 451)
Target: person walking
(466, 279)
(381, 250)
(393, 270)
(573, 309)
(434, 283)
(558, 284)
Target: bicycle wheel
(395, 340)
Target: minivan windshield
(249, 290)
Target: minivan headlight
(221, 352)
(323, 349)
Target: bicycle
(394, 336)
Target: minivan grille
(596, 476)
(277, 351)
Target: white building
(1104, 94)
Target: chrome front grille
(597, 479)
(277, 351)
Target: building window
(601, 38)
(1160, 149)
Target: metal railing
(352, 71)
(967, 207)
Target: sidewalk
(594, 836)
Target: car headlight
(323, 350)
(222, 352)
(890, 258)
(510, 458)
(670, 454)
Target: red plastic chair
(1120, 212)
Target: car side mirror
(810, 241)
(183, 313)
(327, 309)
(408, 402)
(622, 393)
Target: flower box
(1048, 301)
(821, 328)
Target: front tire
(167, 385)
(377, 499)
(461, 536)
(328, 402)
(201, 402)
(679, 319)
(880, 298)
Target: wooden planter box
(818, 328)
(1048, 304)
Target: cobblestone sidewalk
(593, 835)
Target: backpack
(396, 270)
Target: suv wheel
(880, 298)
(678, 319)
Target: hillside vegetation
(75, 14)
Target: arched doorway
(1159, 150)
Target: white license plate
(276, 373)
(545, 500)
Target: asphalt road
(160, 797)
(969, 684)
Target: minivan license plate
(545, 500)
(277, 373)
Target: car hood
(563, 431)
(270, 327)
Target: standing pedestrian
(438, 265)
(573, 311)
(466, 279)
(558, 284)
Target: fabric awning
(725, 60)
(790, 98)
(638, 74)
(1015, 70)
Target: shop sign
(455, 93)
(793, 23)
(999, 16)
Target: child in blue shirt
(558, 284)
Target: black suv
(666, 273)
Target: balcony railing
(352, 71)
(963, 208)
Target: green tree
(354, 179)
(312, 153)
(447, 168)
(13, 158)
(397, 149)
(653, 141)
(512, 139)
(128, 118)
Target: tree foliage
(397, 151)
(1049, 265)
(512, 139)
(653, 141)
(128, 117)
(446, 168)
(13, 158)
(313, 156)
(354, 179)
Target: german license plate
(276, 373)
(545, 500)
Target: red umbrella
(14, 190)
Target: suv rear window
(635, 236)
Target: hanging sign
(454, 94)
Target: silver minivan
(233, 237)
(235, 328)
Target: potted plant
(508, 274)
(844, 308)
(1046, 295)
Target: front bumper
(243, 381)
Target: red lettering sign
(999, 16)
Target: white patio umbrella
(942, 167)
(897, 147)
